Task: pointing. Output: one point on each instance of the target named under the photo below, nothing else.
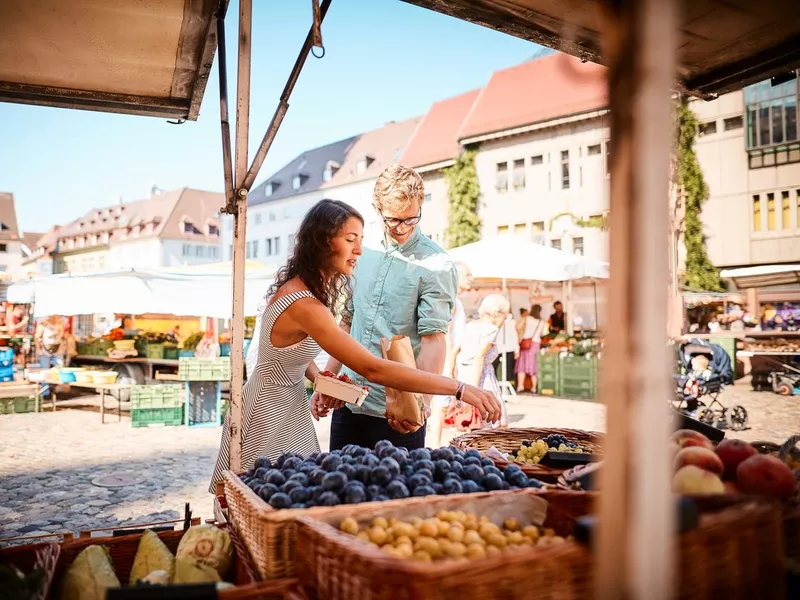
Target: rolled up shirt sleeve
(437, 299)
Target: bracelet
(460, 391)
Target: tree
(700, 274)
(463, 192)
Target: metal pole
(227, 161)
(283, 104)
(596, 316)
(239, 232)
(635, 558)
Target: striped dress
(277, 416)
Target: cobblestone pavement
(48, 461)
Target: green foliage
(596, 221)
(463, 192)
(700, 273)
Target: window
(213, 252)
(520, 229)
(268, 247)
(537, 160)
(608, 158)
(501, 178)
(786, 210)
(257, 218)
(565, 169)
(427, 197)
(577, 246)
(248, 250)
(255, 248)
(187, 227)
(756, 213)
(3, 247)
(555, 244)
(199, 250)
(707, 128)
(594, 150)
(797, 215)
(771, 212)
(4, 227)
(771, 114)
(290, 241)
(732, 123)
(537, 233)
(187, 250)
(213, 230)
(502, 230)
(518, 176)
(364, 163)
(271, 216)
(230, 251)
(276, 245)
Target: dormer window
(298, 181)
(4, 227)
(213, 229)
(364, 163)
(271, 188)
(188, 227)
(330, 170)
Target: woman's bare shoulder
(290, 287)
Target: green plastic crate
(17, 406)
(200, 369)
(167, 395)
(171, 352)
(580, 390)
(154, 351)
(155, 417)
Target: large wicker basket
(345, 568)
(735, 553)
(506, 440)
(29, 557)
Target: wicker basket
(735, 553)
(344, 568)
(506, 440)
(34, 556)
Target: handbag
(527, 343)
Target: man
(556, 322)
(407, 287)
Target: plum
(534, 483)
(254, 484)
(380, 498)
(391, 465)
(384, 448)
(348, 470)
(362, 474)
(438, 487)
(274, 476)
(320, 457)
(473, 473)
(290, 485)
(262, 461)
(299, 505)
(493, 482)
(424, 464)
(442, 454)
(300, 494)
(354, 493)
(510, 470)
(472, 460)
(370, 460)
(334, 481)
(316, 492)
(331, 462)
(420, 454)
(380, 475)
(373, 491)
(280, 500)
(360, 451)
(441, 468)
(418, 480)
(457, 460)
(493, 471)
(518, 479)
(316, 476)
(423, 490)
(266, 491)
(291, 463)
(397, 490)
(452, 486)
(349, 448)
(470, 487)
(472, 454)
(457, 468)
(261, 473)
(487, 462)
(425, 473)
(307, 466)
(400, 455)
(328, 499)
(301, 477)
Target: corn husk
(152, 555)
(403, 406)
(89, 576)
(190, 570)
(209, 545)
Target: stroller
(698, 392)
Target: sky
(385, 60)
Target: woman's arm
(311, 371)
(317, 321)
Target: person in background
(476, 355)
(523, 312)
(508, 349)
(17, 324)
(51, 344)
(556, 322)
(439, 404)
(531, 338)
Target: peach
(765, 476)
(732, 453)
(688, 437)
(694, 481)
(699, 457)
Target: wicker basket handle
(787, 447)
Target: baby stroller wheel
(784, 389)
(737, 418)
(707, 416)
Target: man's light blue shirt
(407, 289)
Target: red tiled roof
(539, 90)
(435, 139)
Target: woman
(530, 341)
(51, 343)
(477, 352)
(297, 322)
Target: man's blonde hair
(398, 188)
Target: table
(102, 388)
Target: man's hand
(321, 405)
(406, 427)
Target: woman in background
(531, 338)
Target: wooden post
(239, 232)
(635, 538)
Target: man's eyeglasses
(393, 223)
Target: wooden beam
(239, 233)
(635, 539)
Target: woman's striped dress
(277, 416)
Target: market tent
(140, 292)
(762, 276)
(508, 257)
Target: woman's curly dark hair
(312, 251)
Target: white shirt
(457, 324)
(507, 339)
(533, 329)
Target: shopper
(529, 348)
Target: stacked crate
(579, 376)
(549, 374)
(161, 404)
(204, 369)
(203, 390)
(6, 365)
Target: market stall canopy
(762, 276)
(723, 46)
(149, 57)
(140, 292)
(509, 257)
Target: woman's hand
(321, 405)
(406, 427)
(486, 402)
